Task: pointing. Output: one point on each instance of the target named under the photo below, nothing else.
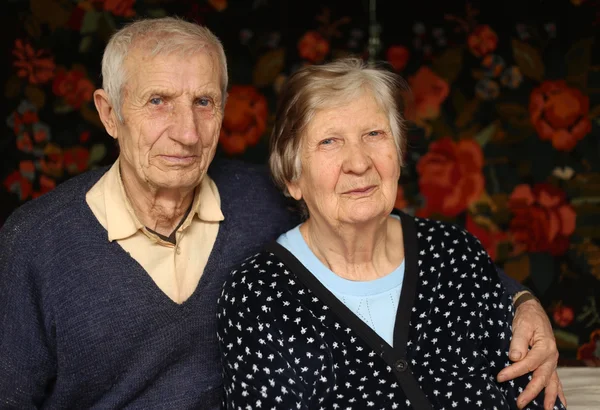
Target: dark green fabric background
(505, 124)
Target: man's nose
(185, 126)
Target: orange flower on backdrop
(560, 114)
(563, 315)
(483, 40)
(542, 219)
(46, 185)
(245, 119)
(36, 66)
(450, 176)
(313, 47)
(73, 86)
(76, 159)
(398, 57)
(218, 5)
(18, 184)
(122, 8)
(591, 350)
(429, 92)
(489, 236)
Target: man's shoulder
(53, 207)
(232, 171)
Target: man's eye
(374, 133)
(203, 102)
(156, 101)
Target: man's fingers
(551, 392)
(519, 345)
(561, 393)
(533, 360)
(535, 386)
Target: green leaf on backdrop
(516, 115)
(90, 21)
(268, 67)
(542, 271)
(465, 116)
(97, 153)
(578, 59)
(458, 100)
(594, 112)
(485, 135)
(566, 340)
(36, 96)
(518, 268)
(157, 13)
(449, 64)
(528, 59)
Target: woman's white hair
(159, 36)
(317, 87)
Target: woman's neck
(356, 252)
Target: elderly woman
(361, 306)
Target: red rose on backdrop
(490, 236)
(36, 66)
(450, 176)
(123, 8)
(245, 119)
(542, 219)
(429, 92)
(590, 351)
(76, 159)
(73, 86)
(563, 315)
(560, 114)
(313, 47)
(483, 40)
(398, 57)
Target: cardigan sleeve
(27, 366)
(496, 328)
(257, 371)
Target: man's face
(171, 118)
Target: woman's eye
(327, 141)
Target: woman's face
(350, 165)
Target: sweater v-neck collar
(395, 356)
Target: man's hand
(531, 327)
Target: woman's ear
(294, 190)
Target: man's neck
(161, 210)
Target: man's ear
(108, 115)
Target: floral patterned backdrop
(505, 125)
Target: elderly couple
(172, 280)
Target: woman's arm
(258, 369)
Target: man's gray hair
(159, 36)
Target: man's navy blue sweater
(82, 325)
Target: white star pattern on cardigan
(287, 343)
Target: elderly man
(108, 284)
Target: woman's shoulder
(435, 231)
(256, 272)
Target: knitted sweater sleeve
(27, 365)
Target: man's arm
(531, 328)
(26, 364)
